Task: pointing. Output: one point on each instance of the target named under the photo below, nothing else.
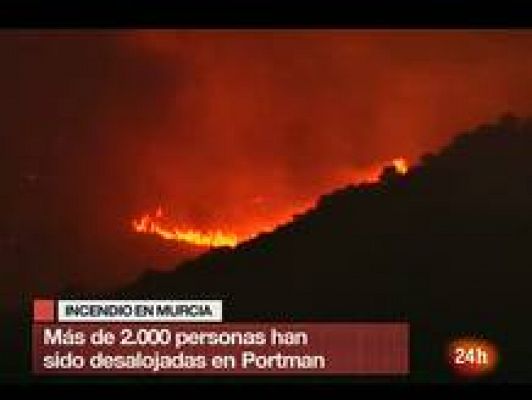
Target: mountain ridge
(445, 247)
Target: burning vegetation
(158, 224)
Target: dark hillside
(446, 246)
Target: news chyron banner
(173, 337)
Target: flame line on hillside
(154, 224)
(149, 223)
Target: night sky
(236, 130)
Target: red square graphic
(43, 310)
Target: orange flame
(153, 224)
(400, 165)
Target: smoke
(226, 130)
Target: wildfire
(400, 165)
(155, 224)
